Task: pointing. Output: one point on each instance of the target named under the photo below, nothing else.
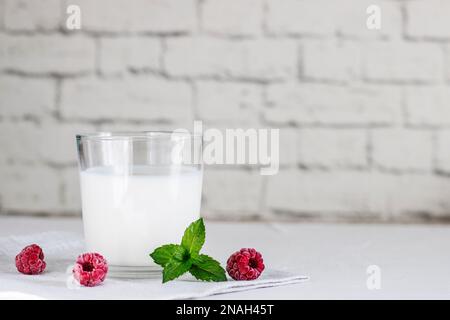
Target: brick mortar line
(97, 56)
(302, 166)
(263, 205)
(2, 27)
(214, 35)
(62, 167)
(161, 60)
(278, 217)
(445, 64)
(412, 82)
(265, 18)
(404, 108)
(195, 101)
(61, 31)
(434, 151)
(137, 72)
(271, 124)
(199, 15)
(312, 169)
(426, 39)
(356, 217)
(220, 79)
(62, 189)
(372, 170)
(46, 75)
(57, 100)
(405, 18)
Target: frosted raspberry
(31, 260)
(245, 264)
(90, 269)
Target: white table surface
(414, 260)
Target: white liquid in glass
(126, 216)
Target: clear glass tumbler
(139, 190)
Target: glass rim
(137, 135)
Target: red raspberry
(31, 260)
(245, 264)
(90, 269)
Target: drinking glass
(139, 190)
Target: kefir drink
(139, 190)
(127, 215)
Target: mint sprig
(207, 269)
(177, 259)
(194, 237)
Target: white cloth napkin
(61, 250)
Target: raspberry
(90, 269)
(31, 260)
(245, 264)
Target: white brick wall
(364, 115)
(357, 195)
(331, 60)
(311, 17)
(21, 96)
(240, 59)
(140, 97)
(328, 18)
(70, 197)
(232, 194)
(350, 13)
(443, 151)
(232, 17)
(118, 55)
(44, 54)
(289, 147)
(326, 104)
(404, 62)
(18, 148)
(56, 143)
(30, 189)
(322, 192)
(32, 15)
(2, 16)
(220, 102)
(428, 105)
(156, 16)
(331, 148)
(428, 19)
(401, 149)
(46, 142)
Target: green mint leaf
(163, 254)
(175, 268)
(194, 236)
(181, 254)
(206, 268)
(178, 259)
